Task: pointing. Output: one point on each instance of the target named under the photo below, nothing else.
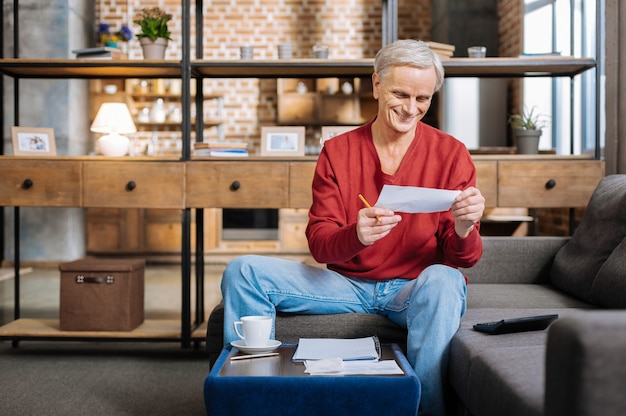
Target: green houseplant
(154, 35)
(527, 130)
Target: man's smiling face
(404, 96)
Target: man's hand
(467, 210)
(375, 223)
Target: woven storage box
(102, 294)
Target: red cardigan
(349, 165)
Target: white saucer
(241, 346)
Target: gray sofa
(575, 367)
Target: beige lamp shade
(113, 119)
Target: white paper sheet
(366, 348)
(336, 366)
(413, 199)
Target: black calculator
(507, 326)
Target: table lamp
(113, 119)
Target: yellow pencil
(367, 204)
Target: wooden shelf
(454, 67)
(286, 68)
(283, 68)
(553, 66)
(207, 123)
(90, 68)
(150, 330)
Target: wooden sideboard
(135, 203)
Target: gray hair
(408, 52)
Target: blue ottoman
(276, 386)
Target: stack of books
(101, 52)
(444, 50)
(220, 148)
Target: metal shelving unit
(187, 68)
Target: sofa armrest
(585, 371)
(515, 260)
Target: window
(574, 108)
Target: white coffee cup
(255, 330)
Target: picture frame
(33, 141)
(328, 132)
(282, 140)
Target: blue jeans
(430, 307)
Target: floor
(39, 292)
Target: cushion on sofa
(468, 344)
(477, 358)
(513, 295)
(508, 381)
(515, 260)
(609, 286)
(603, 227)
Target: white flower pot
(153, 49)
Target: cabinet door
(487, 181)
(551, 183)
(300, 181)
(134, 184)
(26, 182)
(233, 184)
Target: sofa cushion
(609, 286)
(508, 381)
(467, 343)
(602, 228)
(291, 327)
(515, 260)
(475, 357)
(511, 296)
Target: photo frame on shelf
(282, 141)
(328, 132)
(33, 141)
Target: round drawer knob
(550, 184)
(131, 185)
(235, 185)
(27, 184)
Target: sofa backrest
(515, 260)
(592, 265)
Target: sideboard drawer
(300, 182)
(246, 184)
(132, 184)
(487, 181)
(554, 183)
(44, 183)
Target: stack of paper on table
(338, 367)
(333, 356)
(366, 348)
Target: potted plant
(526, 131)
(154, 35)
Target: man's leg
(258, 285)
(431, 307)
